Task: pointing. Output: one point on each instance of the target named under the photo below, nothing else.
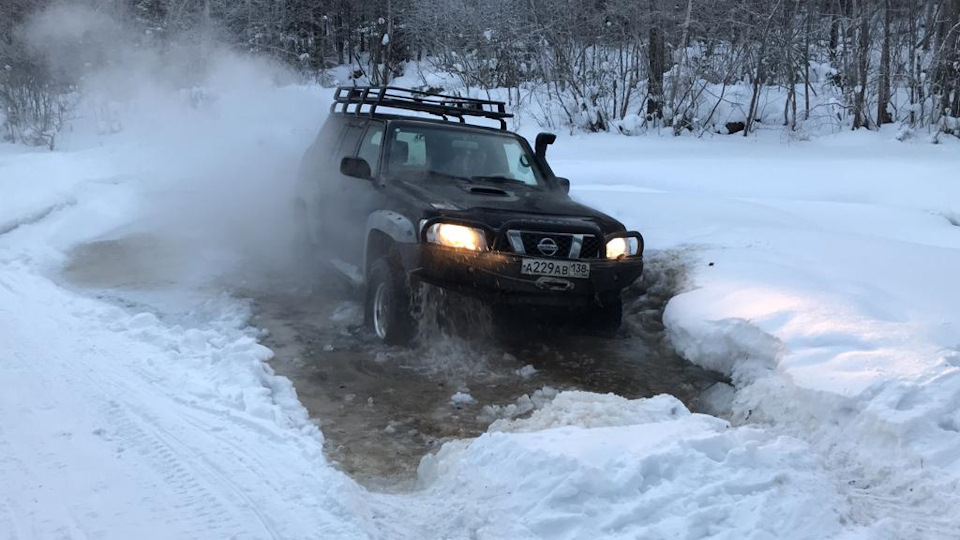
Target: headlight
(457, 236)
(623, 247)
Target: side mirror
(543, 141)
(564, 184)
(355, 167)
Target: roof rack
(352, 99)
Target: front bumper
(496, 277)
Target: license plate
(545, 267)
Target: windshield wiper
(438, 174)
(499, 180)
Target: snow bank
(603, 466)
(823, 283)
(116, 424)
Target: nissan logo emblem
(547, 247)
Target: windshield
(443, 153)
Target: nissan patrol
(400, 189)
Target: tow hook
(554, 284)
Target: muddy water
(380, 408)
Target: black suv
(419, 195)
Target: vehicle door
(335, 189)
(314, 176)
(360, 197)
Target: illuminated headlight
(623, 247)
(457, 236)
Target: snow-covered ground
(821, 281)
(824, 282)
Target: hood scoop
(487, 190)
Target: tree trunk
(388, 48)
(913, 66)
(950, 59)
(806, 62)
(757, 84)
(789, 17)
(685, 37)
(860, 118)
(883, 83)
(655, 74)
(760, 73)
(338, 39)
(835, 36)
(929, 25)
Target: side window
(348, 141)
(416, 149)
(371, 145)
(519, 163)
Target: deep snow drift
(821, 281)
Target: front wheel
(388, 307)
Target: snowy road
(109, 428)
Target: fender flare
(392, 224)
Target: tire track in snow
(202, 502)
(187, 496)
(67, 201)
(903, 505)
(224, 445)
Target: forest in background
(595, 65)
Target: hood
(496, 204)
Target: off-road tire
(387, 306)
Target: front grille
(547, 245)
(591, 247)
(541, 244)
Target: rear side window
(371, 145)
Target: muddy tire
(388, 307)
(607, 317)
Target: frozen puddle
(382, 409)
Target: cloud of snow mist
(213, 139)
(72, 39)
(219, 164)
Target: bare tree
(883, 81)
(625, 65)
(860, 117)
